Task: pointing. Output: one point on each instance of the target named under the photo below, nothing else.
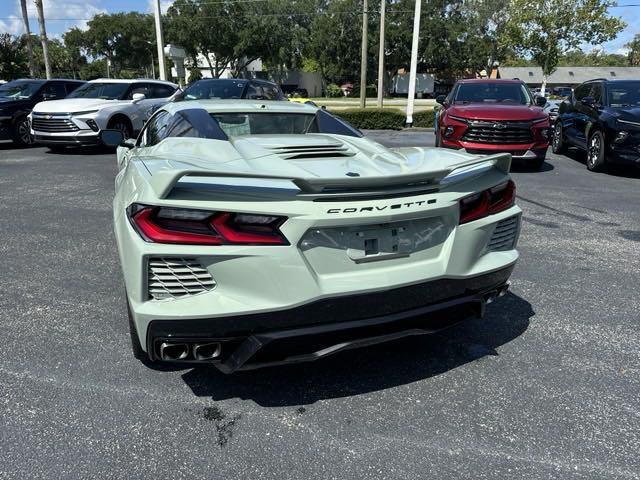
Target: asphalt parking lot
(547, 386)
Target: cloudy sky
(64, 14)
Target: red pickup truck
(490, 116)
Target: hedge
(384, 119)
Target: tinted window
(254, 92)
(492, 93)
(71, 86)
(160, 91)
(54, 90)
(624, 94)
(215, 88)
(582, 91)
(238, 124)
(142, 88)
(271, 92)
(596, 92)
(155, 129)
(19, 89)
(194, 123)
(104, 90)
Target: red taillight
(198, 227)
(485, 203)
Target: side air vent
(177, 277)
(505, 235)
(294, 152)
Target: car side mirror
(541, 101)
(588, 102)
(441, 99)
(137, 97)
(112, 138)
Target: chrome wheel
(557, 142)
(595, 146)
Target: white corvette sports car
(254, 234)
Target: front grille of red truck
(498, 133)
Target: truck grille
(53, 125)
(505, 235)
(498, 132)
(177, 277)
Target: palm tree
(43, 38)
(27, 32)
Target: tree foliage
(14, 62)
(546, 30)
(634, 51)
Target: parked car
(17, 99)
(488, 116)
(231, 88)
(253, 235)
(551, 108)
(97, 105)
(603, 119)
(562, 92)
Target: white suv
(97, 105)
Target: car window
(138, 88)
(492, 92)
(19, 89)
(238, 124)
(270, 92)
(582, 91)
(194, 123)
(625, 94)
(215, 89)
(155, 129)
(104, 90)
(54, 90)
(160, 91)
(71, 86)
(596, 92)
(254, 92)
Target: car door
(592, 113)
(153, 131)
(580, 117)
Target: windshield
(624, 94)
(237, 124)
(18, 89)
(492, 93)
(216, 89)
(106, 91)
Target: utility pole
(159, 41)
(27, 32)
(414, 63)
(381, 75)
(363, 59)
(43, 38)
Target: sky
(56, 11)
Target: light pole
(363, 58)
(159, 39)
(381, 75)
(414, 63)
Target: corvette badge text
(380, 209)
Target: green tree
(127, 40)
(76, 45)
(13, 57)
(546, 30)
(634, 51)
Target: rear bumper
(329, 325)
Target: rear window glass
(239, 124)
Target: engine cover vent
(170, 277)
(296, 152)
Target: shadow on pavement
(371, 369)
(520, 166)
(613, 170)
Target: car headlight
(85, 112)
(458, 119)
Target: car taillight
(494, 200)
(201, 227)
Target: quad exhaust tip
(491, 296)
(207, 351)
(202, 352)
(174, 351)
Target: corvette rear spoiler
(164, 181)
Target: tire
(121, 123)
(136, 347)
(596, 148)
(21, 132)
(557, 142)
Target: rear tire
(22, 132)
(557, 143)
(121, 123)
(596, 148)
